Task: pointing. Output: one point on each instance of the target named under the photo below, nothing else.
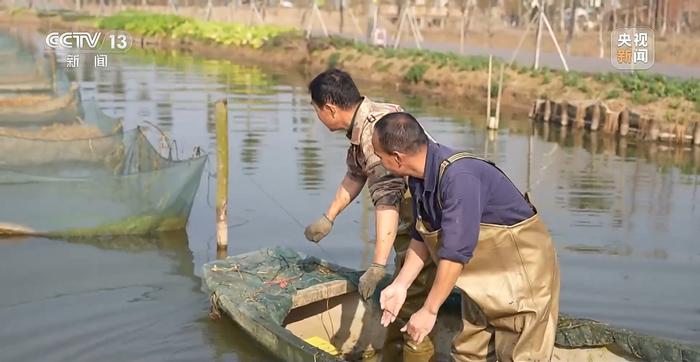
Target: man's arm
(393, 296)
(348, 191)
(350, 187)
(416, 255)
(387, 221)
(386, 191)
(445, 279)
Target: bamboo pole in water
(498, 99)
(488, 93)
(221, 174)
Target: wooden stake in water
(221, 174)
(488, 92)
(498, 100)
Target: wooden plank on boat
(322, 291)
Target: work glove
(319, 229)
(369, 280)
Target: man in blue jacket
(487, 240)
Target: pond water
(624, 217)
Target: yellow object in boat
(323, 345)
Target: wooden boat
(38, 110)
(304, 309)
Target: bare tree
(467, 8)
(489, 29)
(562, 26)
(665, 23)
(656, 14)
(342, 16)
(679, 13)
(572, 25)
(603, 18)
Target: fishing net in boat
(115, 184)
(585, 333)
(266, 282)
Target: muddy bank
(447, 79)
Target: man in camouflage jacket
(340, 106)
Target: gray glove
(369, 280)
(319, 229)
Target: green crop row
(641, 87)
(178, 27)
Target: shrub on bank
(178, 27)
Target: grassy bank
(452, 77)
(660, 97)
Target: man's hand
(420, 325)
(369, 280)
(319, 229)
(391, 301)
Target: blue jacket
(472, 191)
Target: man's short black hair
(336, 87)
(400, 132)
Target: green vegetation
(333, 60)
(615, 93)
(384, 67)
(546, 76)
(177, 27)
(639, 87)
(18, 10)
(416, 72)
(571, 79)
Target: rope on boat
(214, 310)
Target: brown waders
(415, 297)
(513, 280)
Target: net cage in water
(34, 110)
(109, 185)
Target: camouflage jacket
(362, 164)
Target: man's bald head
(400, 132)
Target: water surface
(623, 216)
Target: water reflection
(611, 183)
(310, 164)
(249, 151)
(623, 213)
(667, 156)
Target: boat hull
(285, 304)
